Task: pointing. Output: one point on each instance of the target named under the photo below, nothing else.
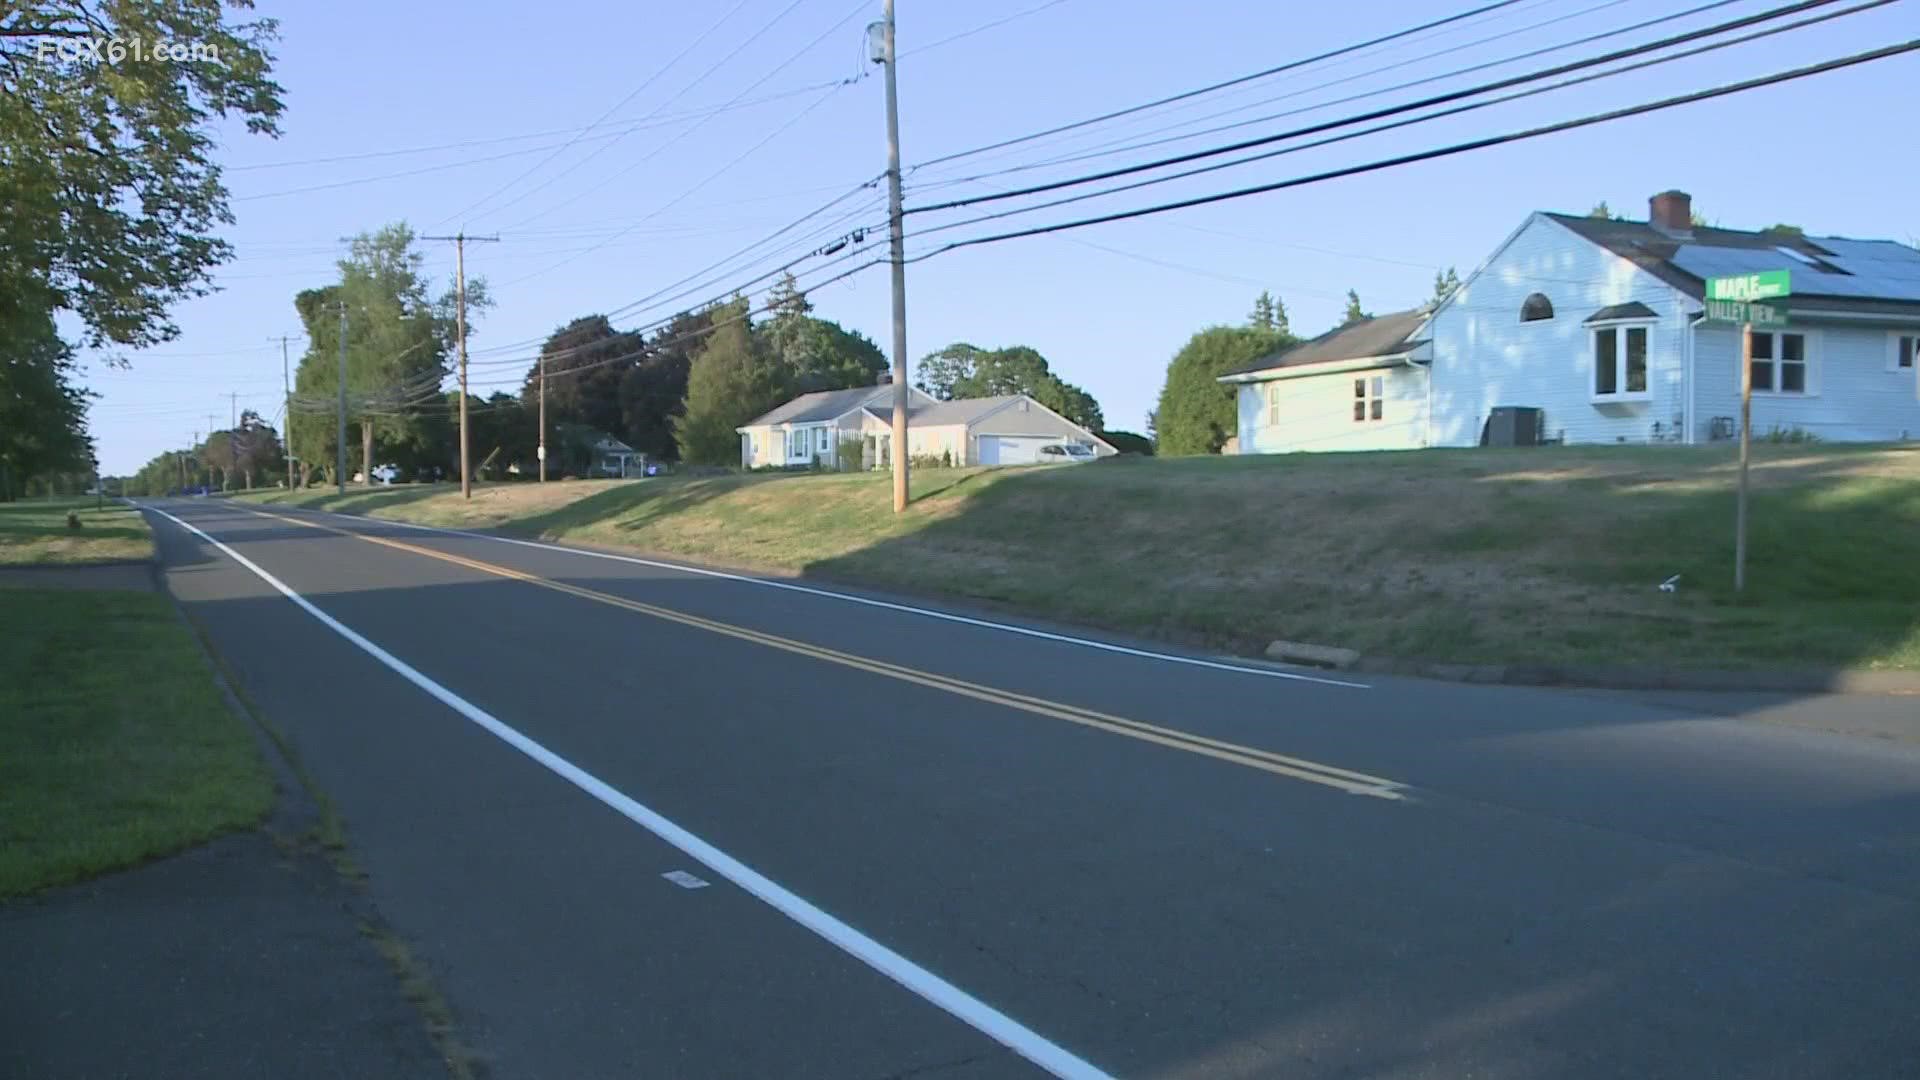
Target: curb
(1818, 681)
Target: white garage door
(1012, 449)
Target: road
(952, 846)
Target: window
(1620, 363)
(1536, 308)
(1779, 363)
(1273, 405)
(820, 444)
(1904, 354)
(1367, 395)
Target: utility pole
(460, 331)
(191, 443)
(542, 452)
(897, 238)
(286, 388)
(340, 440)
(233, 410)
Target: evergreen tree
(1444, 284)
(1353, 313)
(730, 383)
(1262, 317)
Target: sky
(619, 148)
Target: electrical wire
(1392, 110)
(1447, 151)
(1455, 111)
(1290, 65)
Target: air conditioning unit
(1514, 425)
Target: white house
(1592, 330)
(1005, 430)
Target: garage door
(1012, 449)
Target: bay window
(1620, 363)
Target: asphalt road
(937, 847)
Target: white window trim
(1812, 361)
(1893, 350)
(1374, 399)
(1272, 408)
(1620, 361)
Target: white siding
(1316, 412)
(1856, 398)
(947, 438)
(1484, 356)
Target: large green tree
(816, 353)
(42, 411)
(731, 381)
(586, 361)
(399, 338)
(110, 192)
(965, 371)
(653, 393)
(1195, 414)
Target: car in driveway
(1065, 453)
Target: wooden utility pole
(897, 239)
(1746, 451)
(286, 423)
(460, 332)
(542, 452)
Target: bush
(73, 521)
(1796, 434)
(850, 457)
(1128, 442)
(929, 461)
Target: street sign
(1751, 314)
(1766, 285)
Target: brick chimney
(1671, 211)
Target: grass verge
(1543, 555)
(117, 746)
(35, 533)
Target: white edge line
(970, 1010)
(947, 616)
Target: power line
(1448, 151)
(649, 81)
(1127, 144)
(1393, 110)
(1288, 66)
(1410, 121)
(770, 73)
(981, 29)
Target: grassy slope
(116, 745)
(1547, 555)
(35, 533)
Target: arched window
(1536, 308)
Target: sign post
(1739, 299)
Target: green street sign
(1766, 285)
(1733, 311)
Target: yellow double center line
(1293, 768)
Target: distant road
(645, 821)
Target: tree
(1443, 284)
(586, 361)
(1601, 211)
(1793, 232)
(1128, 442)
(815, 354)
(1196, 413)
(965, 371)
(1353, 313)
(1280, 323)
(1262, 317)
(255, 448)
(110, 192)
(730, 382)
(398, 340)
(42, 414)
(654, 391)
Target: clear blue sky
(1108, 305)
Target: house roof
(819, 405)
(940, 413)
(1633, 309)
(1829, 272)
(1381, 335)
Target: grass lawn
(116, 745)
(1546, 555)
(34, 533)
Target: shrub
(1795, 434)
(851, 455)
(927, 461)
(73, 521)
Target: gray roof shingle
(818, 406)
(1383, 335)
